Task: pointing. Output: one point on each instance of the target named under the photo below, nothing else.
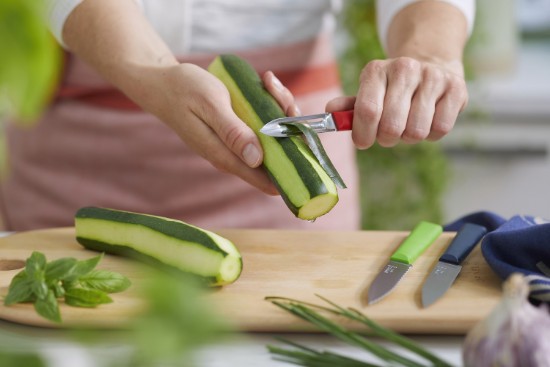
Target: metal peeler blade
(320, 123)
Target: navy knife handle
(463, 243)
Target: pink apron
(94, 147)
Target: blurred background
(499, 152)
(496, 158)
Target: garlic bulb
(515, 334)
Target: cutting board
(295, 264)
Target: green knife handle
(422, 236)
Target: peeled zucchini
(160, 242)
(306, 188)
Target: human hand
(197, 106)
(210, 127)
(404, 100)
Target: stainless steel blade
(440, 279)
(386, 280)
(320, 123)
(275, 130)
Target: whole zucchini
(304, 185)
(159, 241)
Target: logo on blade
(390, 269)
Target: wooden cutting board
(294, 264)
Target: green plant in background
(404, 184)
(29, 66)
(21, 359)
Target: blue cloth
(519, 244)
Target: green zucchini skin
(161, 242)
(303, 184)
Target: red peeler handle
(343, 119)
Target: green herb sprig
(76, 281)
(304, 356)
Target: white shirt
(196, 26)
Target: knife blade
(448, 267)
(321, 123)
(420, 238)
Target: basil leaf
(83, 267)
(39, 288)
(48, 307)
(82, 297)
(68, 284)
(106, 281)
(35, 264)
(19, 277)
(60, 268)
(20, 290)
(58, 290)
(42, 282)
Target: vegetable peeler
(321, 123)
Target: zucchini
(159, 241)
(305, 187)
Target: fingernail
(297, 111)
(277, 83)
(251, 155)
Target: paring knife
(448, 267)
(420, 238)
(321, 123)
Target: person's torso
(216, 26)
(94, 147)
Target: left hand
(404, 100)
